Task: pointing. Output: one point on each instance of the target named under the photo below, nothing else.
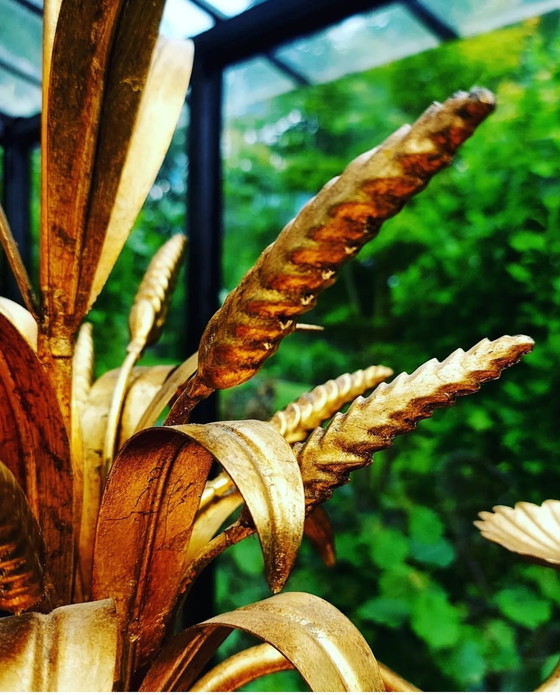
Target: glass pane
(234, 7)
(182, 19)
(20, 38)
(470, 17)
(358, 43)
(252, 82)
(17, 97)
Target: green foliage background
(475, 255)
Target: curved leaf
(21, 318)
(315, 637)
(145, 522)
(248, 665)
(73, 649)
(266, 473)
(34, 446)
(21, 549)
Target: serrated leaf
(72, 649)
(321, 642)
(290, 274)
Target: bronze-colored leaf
(528, 529)
(151, 499)
(253, 663)
(101, 56)
(11, 250)
(331, 229)
(21, 318)
(297, 420)
(161, 102)
(266, 473)
(73, 649)
(34, 445)
(329, 454)
(21, 549)
(143, 384)
(321, 642)
(242, 668)
(319, 530)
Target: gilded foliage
(329, 454)
(309, 410)
(290, 274)
(132, 530)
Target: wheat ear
(331, 229)
(329, 455)
(306, 413)
(145, 323)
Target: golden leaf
(109, 44)
(21, 549)
(143, 384)
(315, 637)
(145, 522)
(528, 529)
(319, 530)
(34, 446)
(331, 229)
(161, 102)
(21, 318)
(242, 668)
(306, 413)
(248, 665)
(73, 649)
(266, 473)
(329, 454)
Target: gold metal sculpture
(106, 522)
